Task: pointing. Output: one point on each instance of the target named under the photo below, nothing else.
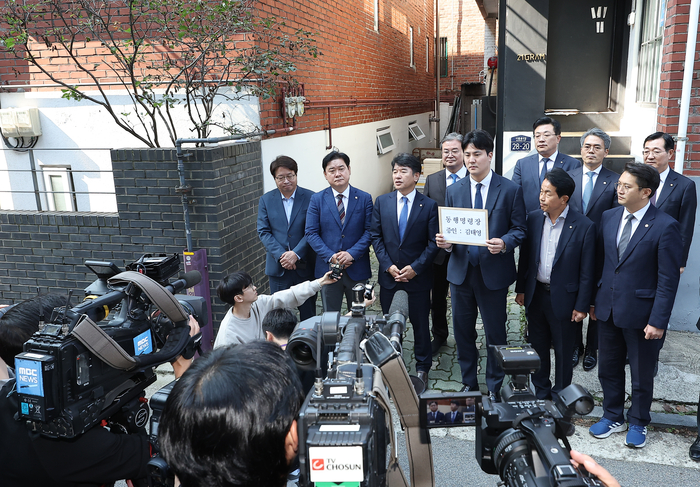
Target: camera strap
(420, 453)
(156, 293)
(395, 475)
(102, 345)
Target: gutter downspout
(690, 50)
(437, 73)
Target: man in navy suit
(404, 225)
(594, 194)
(454, 416)
(555, 279)
(633, 303)
(435, 186)
(480, 275)
(435, 416)
(676, 195)
(529, 171)
(281, 226)
(337, 229)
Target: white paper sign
(466, 226)
(336, 464)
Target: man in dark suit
(435, 416)
(676, 195)
(633, 303)
(480, 275)
(337, 229)
(435, 186)
(555, 279)
(404, 225)
(529, 171)
(594, 194)
(454, 416)
(281, 227)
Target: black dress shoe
(577, 355)
(494, 396)
(423, 375)
(436, 344)
(466, 388)
(590, 359)
(695, 450)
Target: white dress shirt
(638, 215)
(399, 204)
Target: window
(414, 131)
(443, 57)
(650, 50)
(385, 141)
(410, 40)
(376, 15)
(58, 182)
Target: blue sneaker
(636, 436)
(605, 427)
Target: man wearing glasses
(281, 226)
(594, 194)
(529, 171)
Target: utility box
(20, 122)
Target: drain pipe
(690, 49)
(185, 189)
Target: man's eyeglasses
(544, 135)
(656, 152)
(624, 188)
(290, 178)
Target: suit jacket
(457, 420)
(573, 269)
(278, 236)
(436, 417)
(527, 175)
(417, 248)
(679, 200)
(603, 196)
(639, 289)
(506, 221)
(326, 235)
(435, 188)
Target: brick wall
(672, 63)
(48, 249)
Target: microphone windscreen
(399, 304)
(192, 278)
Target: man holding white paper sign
(479, 275)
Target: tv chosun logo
(317, 464)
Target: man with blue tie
(281, 227)
(436, 185)
(480, 275)
(337, 229)
(455, 415)
(404, 225)
(594, 194)
(636, 289)
(529, 171)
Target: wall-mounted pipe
(690, 49)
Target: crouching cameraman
(231, 419)
(97, 457)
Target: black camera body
(520, 439)
(64, 387)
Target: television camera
(92, 362)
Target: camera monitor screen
(448, 409)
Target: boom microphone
(398, 312)
(188, 280)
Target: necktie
(403, 217)
(587, 191)
(625, 237)
(544, 170)
(454, 178)
(473, 249)
(341, 209)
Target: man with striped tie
(337, 229)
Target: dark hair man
(281, 227)
(404, 225)
(479, 276)
(231, 419)
(337, 229)
(594, 194)
(278, 326)
(529, 171)
(555, 279)
(636, 291)
(455, 415)
(436, 185)
(435, 416)
(243, 322)
(676, 194)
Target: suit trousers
(418, 312)
(614, 344)
(332, 294)
(591, 335)
(546, 329)
(288, 279)
(438, 305)
(468, 299)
